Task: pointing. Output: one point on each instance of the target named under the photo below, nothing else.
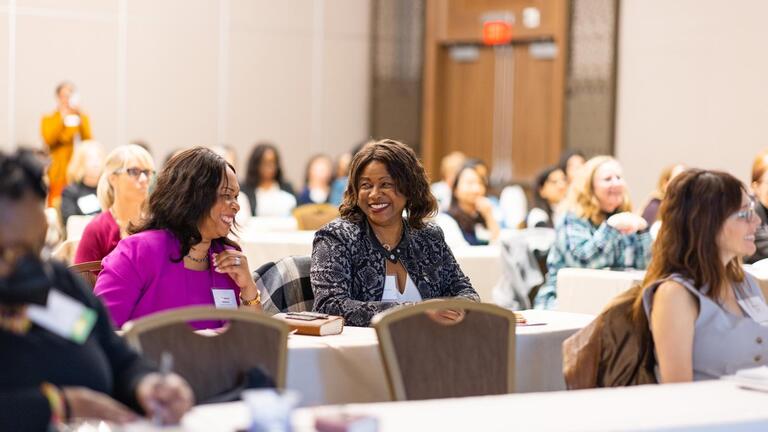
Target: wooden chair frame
(132, 330)
(382, 321)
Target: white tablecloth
(589, 290)
(704, 406)
(347, 368)
(482, 264)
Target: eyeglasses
(136, 172)
(747, 214)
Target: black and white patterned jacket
(348, 269)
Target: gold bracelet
(251, 302)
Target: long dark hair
(253, 172)
(186, 190)
(539, 182)
(407, 172)
(695, 207)
(467, 221)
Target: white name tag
(756, 308)
(64, 316)
(89, 204)
(224, 298)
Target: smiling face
(737, 235)
(608, 186)
(469, 187)
(378, 197)
(220, 218)
(555, 187)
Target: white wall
(178, 73)
(692, 87)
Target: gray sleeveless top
(722, 343)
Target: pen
(166, 367)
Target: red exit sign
(497, 32)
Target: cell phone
(305, 315)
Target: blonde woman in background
(123, 188)
(652, 208)
(598, 229)
(79, 197)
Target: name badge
(756, 308)
(390, 289)
(224, 298)
(89, 204)
(64, 316)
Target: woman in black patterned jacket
(372, 258)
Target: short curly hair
(408, 174)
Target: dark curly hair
(22, 172)
(407, 172)
(186, 190)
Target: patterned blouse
(580, 244)
(349, 268)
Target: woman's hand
(166, 398)
(446, 316)
(627, 223)
(484, 206)
(86, 403)
(235, 264)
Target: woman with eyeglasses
(123, 187)
(180, 254)
(707, 317)
(760, 192)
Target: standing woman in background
(598, 229)
(123, 188)
(61, 130)
(79, 197)
(264, 183)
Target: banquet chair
(217, 364)
(425, 359)
(313, 216)
(89, 271)
(284, 285)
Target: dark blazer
(761, 236)
(349, 268)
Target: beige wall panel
(50, 49)
(691, 87)
(346, 91)
(286, 17)
(4, 144)
(271, 80)
(72, 6)
(346, 74)
(270, 97)
(172, 74)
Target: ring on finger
(237, 261)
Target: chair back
(76, 225)
(285, 285)
(213, 362)
(427, 360)
(65, 252)
(89, 271)
(314, 216)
